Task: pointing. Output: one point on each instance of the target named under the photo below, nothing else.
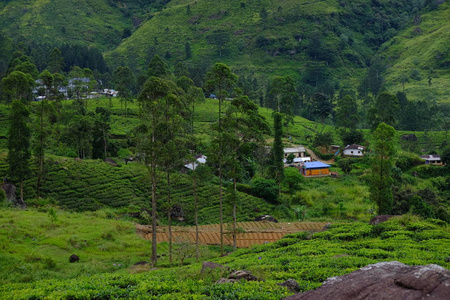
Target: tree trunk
(220, 178)
(234, 214)
(153, 175)
(104, 142)
(154, 251)
(197, 254)
(21, 190)
(169, 216)
(40, 152)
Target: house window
(359, 152)
(351, 152)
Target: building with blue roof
(315, 168)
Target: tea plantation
(308, 258)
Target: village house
(315, 169)
(354, 151)
(296, 151)
(296, 161)
(432, 160)
(199, 159)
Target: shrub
(265, 188)
(346, 164)
(407, 160)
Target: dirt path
(316, 158)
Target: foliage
(382, 162)
(293, 179)
(19, 153)
(265, 188)
(277, 152)
(309, 260)
(385, 110)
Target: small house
(297, 161)
(199, 159)
(434, 160)
(354, 151)
(296, 151)
(315, 168)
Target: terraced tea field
(249, 233)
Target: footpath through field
(250, 233)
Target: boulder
(208, 265)
(409, 137)
(176, 212)
(385, 280)
(242, 274)
(110, 161)
(10, 193)
(74, 258)
(291, 285)
(225, 280)
(268, 218)
(380, 219)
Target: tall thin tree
(220, 80)
(19, 153)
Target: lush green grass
(309, 260)
(422, 47)
(346, 197)
(35, 247)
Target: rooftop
(315, 165)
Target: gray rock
(208, 265)
(10, 193)
(385, 280)
(74, 258)
(225, 280)
(242, 274)
(291, 285)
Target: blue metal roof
(316, 165)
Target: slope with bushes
(309, 259)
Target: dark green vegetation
(322, 45)
(332, 71)
(308, 259)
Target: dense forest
(178, 113)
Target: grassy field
(36, 245)
(308, 259)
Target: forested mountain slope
(323, 44)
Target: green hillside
(421, 53)
(99, 23)
(307, 259)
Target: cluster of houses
(73, 85)
(296, 157)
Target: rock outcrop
(10, 193)
(74, 258)
(291, 285)
(237, 276)
(385, 280)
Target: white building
(354, 151)
(296, 151)
(432, 160)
